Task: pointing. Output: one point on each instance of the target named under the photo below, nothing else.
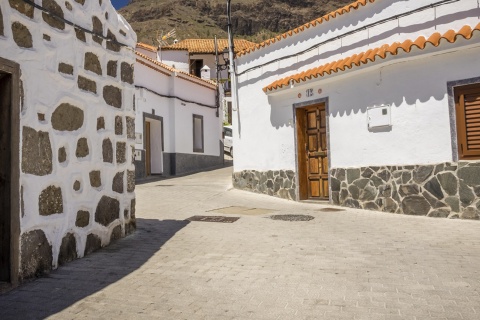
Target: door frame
(13, 69)
(152, 116)
(303, 105)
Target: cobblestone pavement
(349, 264)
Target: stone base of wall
(280, 183)
(443, 190)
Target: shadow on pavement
(81, 278)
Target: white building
(67, 177)
(372, 106)
(178, 127)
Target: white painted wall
(417, 89)
(45, 89)
(177, 59)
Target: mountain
(255, 20)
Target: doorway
(9, 171)
(153, 144)
(312, 151)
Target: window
(196, 67)
(467, 105)
(197, 133)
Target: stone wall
(279, 183)
(77, 172)
(443, 190)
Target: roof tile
(199, 46)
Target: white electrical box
(379, 116)
(138, 155)
(138, 138)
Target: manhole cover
(292, 217)
(331, 209)
(213, 219)
(242, 210)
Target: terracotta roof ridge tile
(371, 54)
(332, 15)
(147, 47)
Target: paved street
(350, 264)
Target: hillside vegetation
(255, 20)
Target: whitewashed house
(193, 55)
(66, 133)
(178, 127)
(375, 106)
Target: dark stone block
(334, 184)
(127, 73)
(361, 183)
(21, 35)
(354, 191)
(377, 182)
(466, 194)
(50, 201)
(434, 203)
(67, 117)
(1, 23)
(439, 168)
(112, 96)
(82, 2)
(93, 244)
(118, 125)
(65, 68)
(477, 190)
(121, 152)
(107, 151)
(100, 123)
(343, 195)
(130, 180)
(341, 174)
(454, 203)
(92, 63)
(406, 177)
(439, 213)
(385, 175)
(80, 34)
(270, 175)
(86, 84)
(368, 173)
(408, 189)
(368, 193)
(68, 6)
(352, 175)
(112, 68)
(290, 175)
(117, 185)
(83, 219)
(54, 8)
(375, 169)
(68, 249)
(278, 184)
(470, 175)
(385, 191)
(36, 254)
(390, 205)
(112, 45)
(95, 179)
(370, 206)
(36, 152)
(422, 173)
(433, 186)
(116, 233)
(108, 210)
(62, 155)
(22, 7)
(415, 205)
(98, 29)
(470, 213)
(336, 197)
(351, 203)
(82, 148)
(292, 193)
(132, 208)
(449, 182)
(77, 185)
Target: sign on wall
(379, 116)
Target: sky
(120, 3)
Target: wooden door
(5, 175)
(148, 149)
(468, 121)
(313, 153)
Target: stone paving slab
(351, 264)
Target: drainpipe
(231, 51)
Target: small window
(197, 133)
(467, 105)
(196, 67)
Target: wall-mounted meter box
(138, 138)
(138, 155)
(379, 116)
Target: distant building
(375, 105)
(67, 135)
(178, 129)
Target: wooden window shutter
(467, 101)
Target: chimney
(205, 73)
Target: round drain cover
(292, 217)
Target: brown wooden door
(468, 121)
(148, 150)
(5, 175)
(316, 153)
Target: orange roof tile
(146, 47)
(199, 46)
(355, 5)
(167, 67)
(371, 55)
